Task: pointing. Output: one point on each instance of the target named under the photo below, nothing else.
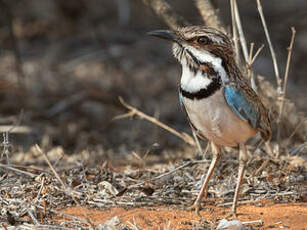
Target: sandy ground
(77, 58)
(274, 216)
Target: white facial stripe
(192, 82)
(206, 57)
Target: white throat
(193, 82)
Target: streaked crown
(203, 39)
(197, 39)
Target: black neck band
(203, 93)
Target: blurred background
(63, 65)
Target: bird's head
(197, 45)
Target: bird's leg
(216, 151)
(242, 162)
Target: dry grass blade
(278, 80)
(133, 111)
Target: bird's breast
(214, 120)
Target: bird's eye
(202, 40)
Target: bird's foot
(196, 207)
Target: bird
(220, 105)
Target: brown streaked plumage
(220, 104)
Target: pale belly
(215, 120)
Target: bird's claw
(196, 207)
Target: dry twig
(253, 222)
(240, 31)
(281, 108)
(190, 163)
(51, 167)
(260, 169)
(30, 212)
(249, 65)
(15, 129)
(40, 189)
(257, 53)
(251, 59)
(133, 111)
(290, 49)
(297, 149)
(209, 14)
(234, 31)
(66, 190)
(18, 171)
(239, 202)
(198, 143)
(166, 12)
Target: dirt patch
(152, 196)
(274, 216)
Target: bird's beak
(166, 34)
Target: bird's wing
(239, 103)
(248, 106)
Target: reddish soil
(274, 216)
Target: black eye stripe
(193, 57)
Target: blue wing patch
(180, 99)
(241, 106)
(182, 105)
